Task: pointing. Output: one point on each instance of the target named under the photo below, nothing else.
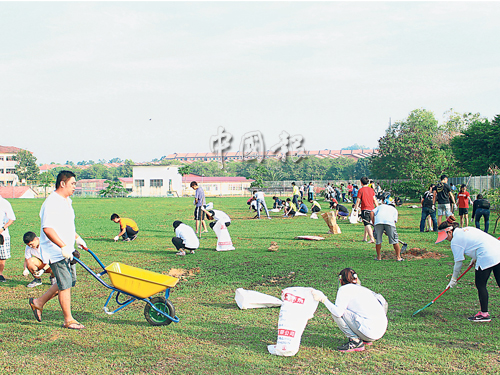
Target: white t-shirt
(222, 216)
(478, 245)
(259, 195)
(361, 301)
(188, 235)
(6, 214)
(29, 252)
(385, 214)
(56, 213)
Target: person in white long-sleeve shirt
(185, 238)
(359, 313)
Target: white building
(156, 181)
(8, 175)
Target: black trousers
(179, 244)
(481, 278)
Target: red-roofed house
(17, 192)
(216, 186)
(8, 165)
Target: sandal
(73, 324)
(35, 310)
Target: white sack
(250, 299)
(298, 307)
(224, 242)
(353, 219)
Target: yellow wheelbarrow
(137, 284)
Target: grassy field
(213, 335)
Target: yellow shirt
(124, 222)
(296, 190)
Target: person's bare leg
(2, 266)
(46, 297)
(369, 231)
(378, 249)
(65, 302)
(197, 225)
(397, 249)
(440, 219)
(204, 226)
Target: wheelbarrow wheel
(156, 319)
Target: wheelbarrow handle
(95, 256)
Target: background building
(8, 175)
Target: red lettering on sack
(286, 333)
(293, 299)
(229, 243)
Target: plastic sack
(250, 299)
(297, 308)
(224, 242)
(209, 206)
(314, 215)
(353, 218)
(300, 214)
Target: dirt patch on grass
(183, 274)
(414, 253)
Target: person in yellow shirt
(128, 228)
(295, 194)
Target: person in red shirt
(463, 205)
(367, 202)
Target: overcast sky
(139, 80)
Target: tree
(184, 170)
(115, 160)
(46, 179)
(355, 147)
(362, 168)
(477, 148)
(257, 174)
(340, 169)
(26, 168)
(410, 149)
(114, 189)
(126, 169)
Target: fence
(479, 184)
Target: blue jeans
(426, 211)
(486, 213)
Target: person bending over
(128, 228)
(359, 312)
(217, 215)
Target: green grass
(213, 335)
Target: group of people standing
(440, 201)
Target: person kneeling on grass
(342, 211)
(290, 208)
(128, 228)
(359, 312)
(185, 238)
(217, 215)
(485, 253)
(303, 208)
(33, 261)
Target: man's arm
(372, 217)
(6, 225)
(54, 237)
(375, 201)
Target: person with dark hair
(428, 209)
(290, 209)
(463, 205)
(310, 191)
(301, 191)
(258, 196)
(128, 228)
(360, 313)
(57, 239)
(343, 191)
(302, 208)
(485, 253)
(481, 208)
(217, 215)
(354, 193)
(199, 202)
(7, 217)
(278, 203)
(33, 262)
(342, 211)
(445, 200)
(185, 238)
(295, 194)
(315, 206)
(366, 202)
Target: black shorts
(315, 209)
(199, 214)
(463, 211)
(365, 215)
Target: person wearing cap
(485, 253)
(384, 219)
(360, 313)
(185, 238)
